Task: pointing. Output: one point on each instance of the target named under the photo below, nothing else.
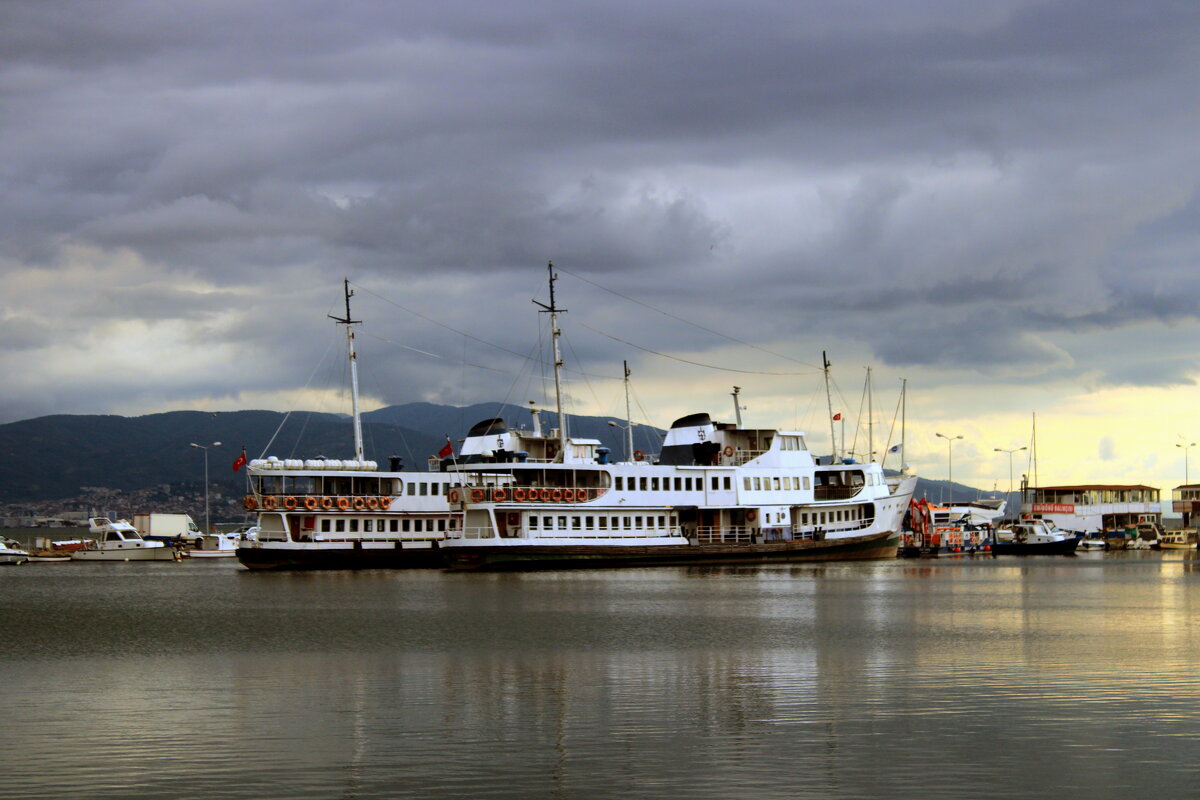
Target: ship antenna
(348, 321)
(553, 310)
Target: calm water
(1047, 677)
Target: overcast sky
(994, 200)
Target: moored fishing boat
(955, 530)
(1178, 540)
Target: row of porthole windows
(425, 489)
(774, 483)
(854, 514)
(600, 523)
(374, 525)
(680, 484)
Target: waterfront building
(1185, 500)
(1093, 507)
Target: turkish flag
(240, 461)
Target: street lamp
(1010, 457)
(1185, 447)
(949, 461)
(205, 448)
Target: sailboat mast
(829, 401)
(628, 417)
(553, 310)
(348, 321)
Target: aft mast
(628, 417)
(553, 310)
(829, 400)
(348, 321)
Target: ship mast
(903, 420)
(829, 400)
(870, 419)
(628, 418)
(348, 321)
(737, 405)
(553, 311)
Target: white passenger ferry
(717, 493)
(326, 513)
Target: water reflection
(1019, 678)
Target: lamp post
(205, 448)
(949, 461)
(1185, 447)
(1010, 457)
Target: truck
(175, 528)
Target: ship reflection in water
(982, 678)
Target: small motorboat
(12, 552)
(1034, 537)
(1088, 544)
(1178, 540)
(120, 541)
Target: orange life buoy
(372, 504)
(327, 502)
(268, 502)
(581, 495)
(311, 503)
(249, 503)
(343, 503)
(289, 503)
(359, 503)
(499, 495)
(519, 494)
(477, 495)
(544, 495)
(556, 495)
(638, 455)
(454, 495)
(728, 451)
(385, 504)
(751, 515)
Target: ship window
(339, 526)
(757, 483)
(627, 521)
(715, 483)
(728, 483)
(642, 484)
(807, 485)
(804, 518)
(354, 526)
(453, 523)
(787, 481)
(603, 522)
(368, 526)
(406, 525)
(776, 480)
(574, 523)
(678, 484)
(637, 523)
(746, 482)
(662, 522)
(441, 524)
(325, 526)
(412, 489)
(618, 483)
(562, 523)
(393, 524)
(654, 484)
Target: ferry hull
(528, 557)
(312, 558)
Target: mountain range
(53, 457)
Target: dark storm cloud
(951, 186)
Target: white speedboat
(1034, 537)
(12, 552)
(214, 545)
(120, 541)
